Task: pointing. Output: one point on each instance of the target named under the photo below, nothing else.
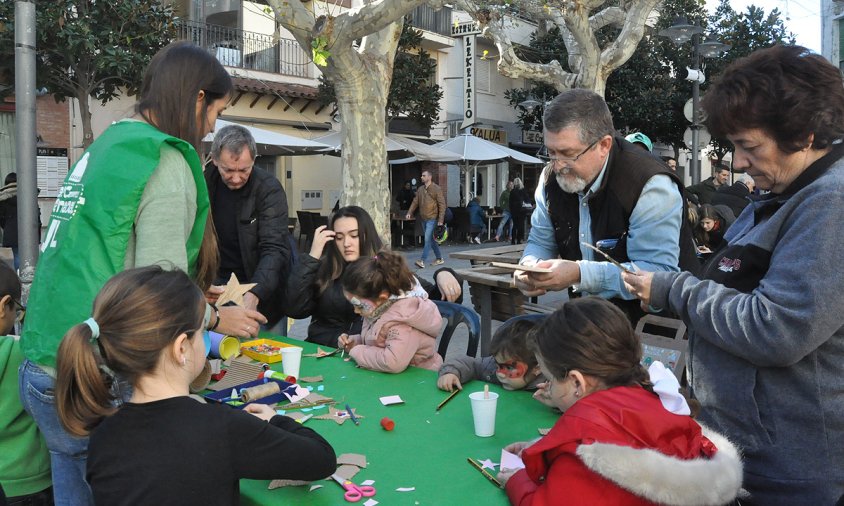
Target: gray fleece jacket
(766, 338)
(482, 368)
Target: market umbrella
(475, 150)
(397, 147)
(273, 143)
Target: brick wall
(53, 122)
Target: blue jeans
(68, 454)
(429, 240)
(507, 218)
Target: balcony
(426, 18)
(248, 50)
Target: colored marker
(443, 403)
(352, 415)
(483, 471)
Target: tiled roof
(272, 88)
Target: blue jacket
(476, 214)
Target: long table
(509, 254)
(426, 450)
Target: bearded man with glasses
(601, 190)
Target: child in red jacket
(615, 442)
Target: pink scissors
(353, 493)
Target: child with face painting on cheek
(511, 365)
(400, 324)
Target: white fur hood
(668, 480)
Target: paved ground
(458, 344)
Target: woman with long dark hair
(136, 197)
(314, 287)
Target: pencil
(443, 403)
(352, 415)
(484, 472)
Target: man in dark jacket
(250, 215)
(706, 189)
(735, 196)
(601, 190)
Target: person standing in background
(504, 204)
(431, 202)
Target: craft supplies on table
(260, 391)
(264, 350)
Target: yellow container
(264, 350)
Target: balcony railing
(248, 50)
(426, 18)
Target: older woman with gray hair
(765, 319)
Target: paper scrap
(216, 365)
(391, 399)
(307, 409)
(318, 407)
(314, 487)
(371, 502)
(299, 393)
(281, 412)
(544, 432)
(511, 461)
(367, 482)
(405, 489)
(287, 483)
(487, 464)
(310, 379)
(321, 388)
(355, 459)
(310, 388)
(320, 353)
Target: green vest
(90, 226)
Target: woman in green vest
(136, 197)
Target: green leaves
(318, 52)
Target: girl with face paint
(400, 324)
(148, 328)
(512, 364)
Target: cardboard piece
(311, 400)
(238, 373)
(320, 353)
(234, 291)
(310, 379)
(287, 483)
(338, 415)
(354, 459)
(347, 471)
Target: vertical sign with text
(468, 81)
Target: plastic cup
(483, 413)
(291, 359)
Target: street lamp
(680, 33)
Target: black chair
(461, 224)
(456, 314)
(306, 226)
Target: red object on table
(219, 375)
(388, 424)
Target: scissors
(353, 493)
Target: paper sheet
(391, 399)
(511, 461)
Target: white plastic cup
(483, 413)
(291, 359)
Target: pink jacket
(406, 334)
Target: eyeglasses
(565, 159)
(20, 310)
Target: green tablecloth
(426, 450)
